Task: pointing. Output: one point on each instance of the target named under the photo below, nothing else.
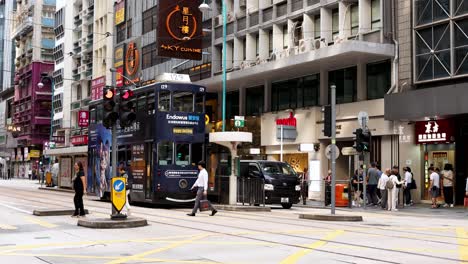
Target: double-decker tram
(160, 149)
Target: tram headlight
(298, 187)
(269, 187)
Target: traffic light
(363, 139)
(126, 109)
(327, 126)
(110, 115)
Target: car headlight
(269, 187)
(298, 187)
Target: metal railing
(251, 191)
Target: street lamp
(205, 7)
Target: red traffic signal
(108, 93)
(126, 94)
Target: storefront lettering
(290, 121)
(440, 131)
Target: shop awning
(66, 151)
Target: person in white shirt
(392, 189)
(202, 192)
(434, 187)
(407, 187)
(383, 190)
(55, 172)
(447, 181)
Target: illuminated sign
(207, 119)
(79, 140)
(182, 130)
(119, 56)
(132, 63)
(33, 153)
(286, 128)
(290, 121)
(119, 12)
(180, 29)
(119, 80)
(440, 131)
(83, 118)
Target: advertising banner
(119, 12)
(83, 118)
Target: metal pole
(350, 203)
(114, 160)
(333, 142)
(281, 150)
(224, 11)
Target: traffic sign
(239, 121)
(328, 151)
(118, 193)
(363, 119)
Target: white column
(344, 26)
(290, 33)
(238, 52)
(364, 16)
(326, 24)
(263, 44)
(251, 50)
(277, 37)
(308, 27)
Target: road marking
(16, 208)
(7, 227)
(296, 256)
(462, 237)
(40, 222)
(147, 253)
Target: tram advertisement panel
(99, 170)
(181, 126)
(138, 167)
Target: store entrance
(436, 155)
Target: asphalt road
(407, 236)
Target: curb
(241, 208)
(107, 223)
(337, 218)
(55, 212)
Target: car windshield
(275, 168)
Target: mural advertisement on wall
(99, 163)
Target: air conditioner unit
(272, 56)
(242, 3)
(305, 45)
(245, 65)
(317, 43)
(219, 20)
(258, 60)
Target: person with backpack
(392, 190)
(383, 189)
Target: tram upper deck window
(164, 102)
(151, 102)
(165, 150)
(182, 154)
(141, 104)
(182, 102)
(199, 103)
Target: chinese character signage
(83, 118)
(119, 72)
(180, 29)
(132, 62)
(79, 140)
(119, 56)
(438, 131)
(96, 88)
(119, 12)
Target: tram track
(98, 208)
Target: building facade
(428, 104)
(33, 32)
(282, 58)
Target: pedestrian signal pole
(333, 143)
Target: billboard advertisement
(99, 162)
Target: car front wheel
(286, 205)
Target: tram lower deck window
(182, 154)
(165, 150)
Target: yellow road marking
(8, 249)
(296, 256)
(40, 222)
(157, 250)
(462, 237)
(7, 227)
(103, 257)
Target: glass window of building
(254, 101)
(335, 24)
(121, 33)
(285, 36)
(150, 19)
(165, 150)
(129, 28)
(232, 104)
(164, 102)
(270, 41)
(378, 79)
(461, 7)
(295, 93)
(317, 27)
(354, 19)
(376, 19)
(182, 102)
(346, 84)
(182, 154)
(311, 87)
(141, 103)
(197, 153)
(257, 44)
(461, 46)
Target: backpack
(389, 184)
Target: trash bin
(48, 179)
(341, 198)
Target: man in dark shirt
(373, 177)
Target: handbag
(413, 185)
(204, 205)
